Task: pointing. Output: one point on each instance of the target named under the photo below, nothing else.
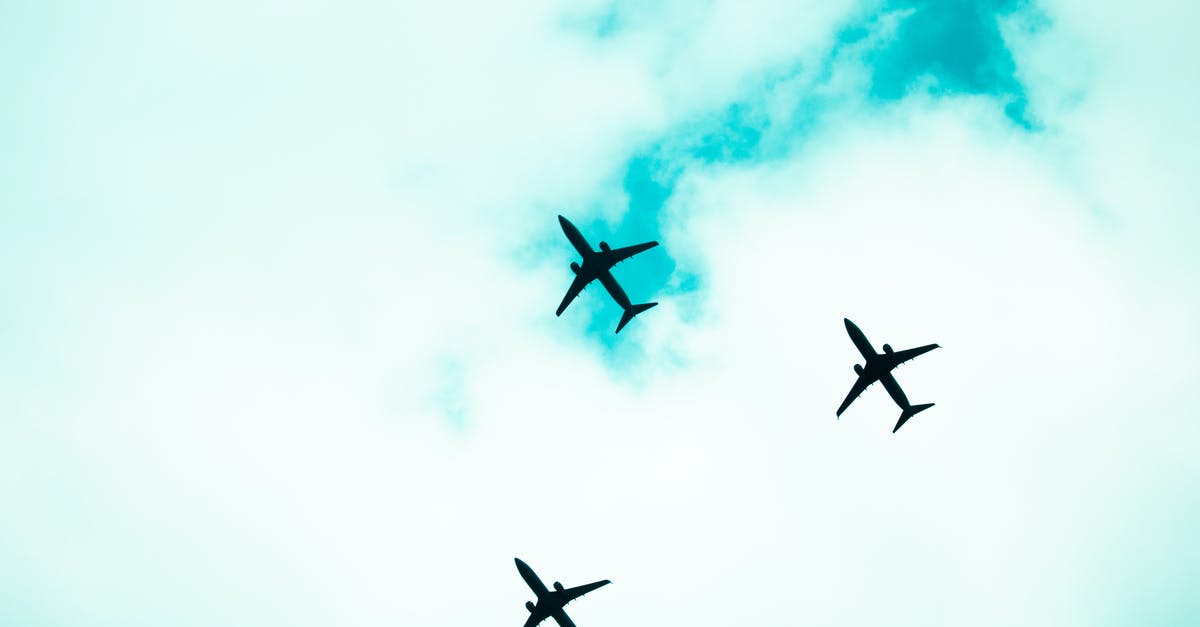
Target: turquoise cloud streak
(940, 47)
(958, 44)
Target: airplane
(550, 603)
(879, 368)
(596, 265)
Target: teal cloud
(956, 43)
(941, 47)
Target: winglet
(632, 311)
(911, 411)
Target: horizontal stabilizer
(632, 311)
(911, 411)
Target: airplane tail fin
(631, 312)
(912, 410)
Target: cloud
(279, 345)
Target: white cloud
(1117, 87)
(280, 229)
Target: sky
(277, 282)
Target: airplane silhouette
(596, 265)
(879, 368)
(550, 603)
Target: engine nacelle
(558, 587)
(529, 606)
(574, 267)
(857, 369)
(604, 246)
(887, 348)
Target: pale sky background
(277, 283)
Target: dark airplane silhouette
(879, 368)
(550, 603)
(596, 265)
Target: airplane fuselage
(531, 579)
(595, 266)
(546, 604)
(877, 366)
(550, 603)
(576, 238)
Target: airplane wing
(562, 619)
(861, 384)
(617, 255)
(570, 594)
(576, 287)
(533, 620)
(899, 357)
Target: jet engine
(887, 348)
(604, 246)
(529, 606)
(857, 369)
(558, 586)
(574, 267)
